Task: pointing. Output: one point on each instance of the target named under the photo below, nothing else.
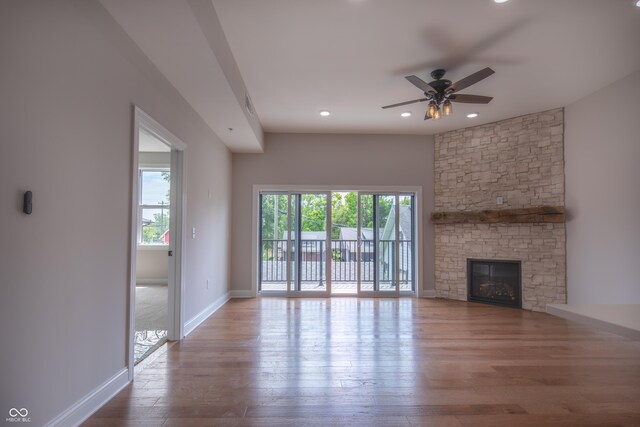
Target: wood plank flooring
(384, 362)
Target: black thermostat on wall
(27, 206)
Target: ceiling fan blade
(471, 80)
(405, 103)
(420, 84)
(470, 99)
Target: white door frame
(255, 237)
(175, 321)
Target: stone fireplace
(508, 165)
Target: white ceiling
(298, 57)
(184, 40)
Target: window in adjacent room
(154, 206)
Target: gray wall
(602, 172)
(68, 78)
(152, 265)
(314, 159)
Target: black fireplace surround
(494, 282)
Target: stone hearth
(520, 160)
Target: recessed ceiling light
(406, 114)
(638, 3)
(325, 113)
(500, 1)
(472, 115)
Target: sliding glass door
(319, 243)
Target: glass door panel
(406, 247)
(310, 225)
(366, 242)
(292, 243)
(274, 216)
(344, 243)
(386, 250)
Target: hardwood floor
(384, 362)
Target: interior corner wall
(330, 159)
(69, 77)
(602, 177)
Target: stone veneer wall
(521, 160)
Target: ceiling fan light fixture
(432, 109)
(447, 108)
(436, 115)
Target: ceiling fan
(441, 92)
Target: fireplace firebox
(494, 282)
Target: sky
(154, 188)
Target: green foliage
(314, 212)
(153, 231)
(344, 211)
(274, 216)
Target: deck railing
(344, 260)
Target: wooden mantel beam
(540, 214)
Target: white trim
(204, 314)
(158, 281)
(244, 293)
(133, 231)
(153, 247)
(416, 190)
(420, 242)
(561, 310)
(428, 293)
(255, 240)
(176, 269)
(77, 413)
(338, 188)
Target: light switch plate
(499, 200)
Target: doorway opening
(156, 254)
(154, 237)
(332, 243)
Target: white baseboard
(160, 281)
(428, 293)
(562, 310)
(242, 294)
(77, 413)
(204, 314)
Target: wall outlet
(499, 200)
(193, 233)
